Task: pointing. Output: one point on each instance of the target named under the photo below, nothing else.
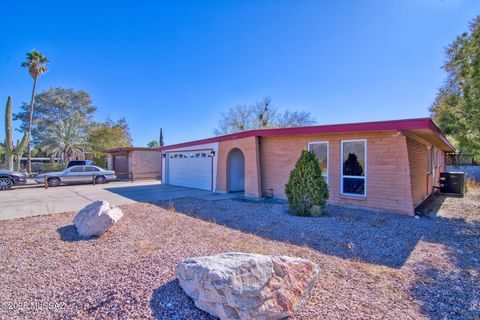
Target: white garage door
(190, 169)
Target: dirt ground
(373, 265)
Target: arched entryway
(236, 171)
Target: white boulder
(96, 218)
(247, 286)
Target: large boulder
(247, 286)
(96, 218)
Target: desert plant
(2, 153)
(65, 141)
(8, 135)
(36, 64)
(18, 151)
(10, 151)
(306, 190)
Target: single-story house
(389, 165)
(135, 163)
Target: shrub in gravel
(306, 190)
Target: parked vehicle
(77, 174)
(80, 163)
(10, 178)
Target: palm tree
(66, 140)
(36, 64)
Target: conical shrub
(306, 190)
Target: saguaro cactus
(19, 149)
(10, 150)
(8, 135)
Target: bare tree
(295, 119)
(261, 115)
(236, 119)
(264, 114)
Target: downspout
(259, 164)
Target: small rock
(315, 211)
(96, 218)
(247, 286)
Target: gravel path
(374, 265)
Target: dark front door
(120, 166)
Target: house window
(429, 160)
(321, 151)
(354, 167)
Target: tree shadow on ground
(169, 302)
(69, 234)
(372, 237)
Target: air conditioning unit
(452, 183)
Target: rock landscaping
(96, 218)
(247, 286)
(372, 265)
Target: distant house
(135, 163)
(389, 165)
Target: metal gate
(120, 166)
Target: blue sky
(179, 64)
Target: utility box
(452, 182)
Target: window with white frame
(354, 167)
(321, 151)
(429, 160)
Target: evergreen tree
(160, 141)
(457, 106)
(351, 167)
(306, 190)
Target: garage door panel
(191, 169)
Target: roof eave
(389, 125)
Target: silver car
(77, 174)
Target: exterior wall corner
(250, 149)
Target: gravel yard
(374, 265)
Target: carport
(135, 163)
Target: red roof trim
(129, 149)
(390, 125)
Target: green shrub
(306, 190)
(51, 167)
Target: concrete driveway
(35, 200)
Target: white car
(77, 174)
